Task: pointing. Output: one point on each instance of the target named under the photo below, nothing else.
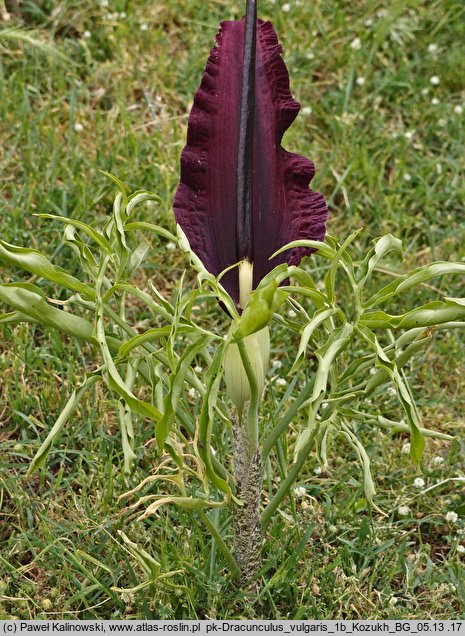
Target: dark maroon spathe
(284, 208)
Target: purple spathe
(284, 208)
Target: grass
(116, 98)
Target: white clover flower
(458, 110)
(276, 364)
(310, 55)
(409, 134)
(438, 460)
(405, 448)
(193, 392)
(87, 34)
(123, 15)
(198, 369)
(419, 482)
(104, 4)
(373, 370)
(171, 246)
(356, 44)
(452, 516)
(368, 22)
(407, 177)
(144, 26)
(291, 313)
(461, 549)
(403, 511)
(360, 81)
(306, 110)
(78, 127)
(425, 91)
(435, 101)
(442, 122)
(434, 80)
(432, 48)
(281, 382)
(392, 391)
(300, 491)
(318, 470)
(286, 7)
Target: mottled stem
(247, 530)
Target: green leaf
(319, 298)
(391, 425)
(118, 235)
(417, 444)
(150, 565)
(258, 312)
(125, 420)
(400, 361)
(148, 336)
(183, 366)
(188, 503)
(79, 225)
(177, 380)
(14, 318)
(141, 196)
(36, 263)
(382, 247)
(330, 278)
(115, 381)
(164, 309)
(29, 301)
(428, 315)
(136, 258)
(356, 368)
(327, 354)
(279, 273)
(322, 249)
(87, 259)
(150, 227)
(41, 456)
(305, 434)
(416, 277)
(307, 331)
(206, 418)
(364, 460)
(118, 182)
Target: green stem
(287, 483)
(252, 411)
(221, 544)
(286, 419)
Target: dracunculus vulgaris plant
(246, 217)
(241, 198)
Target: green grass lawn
(85, 86)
